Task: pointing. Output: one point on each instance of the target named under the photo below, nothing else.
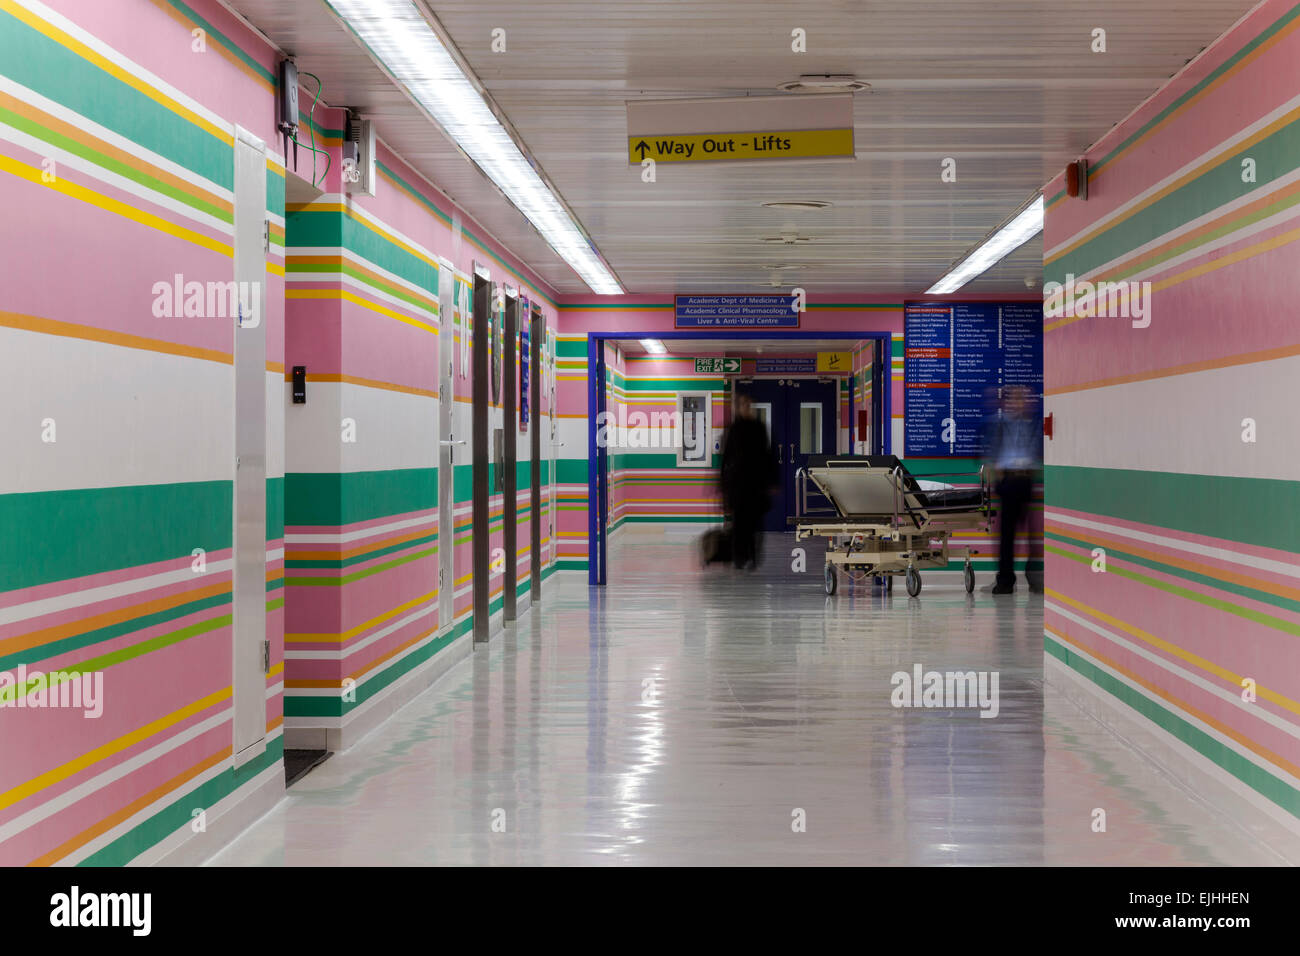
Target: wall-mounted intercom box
(359, 156)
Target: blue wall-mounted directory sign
(735, 312)
(785, 365)
(957, 359)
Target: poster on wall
(466, 324)
(523, 375)
(958, 360)
(553, 348)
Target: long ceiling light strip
(399, 36)
(1019, 229)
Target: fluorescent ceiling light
(654, 346)
(1023, 226)
(404, 43)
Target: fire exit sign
(715, 366)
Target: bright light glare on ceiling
(404, 42)
(1023, 227)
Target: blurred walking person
(749, 473)
(1016, 452)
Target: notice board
(957, 359)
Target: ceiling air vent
(825, 83)
(796, 204)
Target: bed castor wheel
(831, 579)
(968, 576)
(913, 582)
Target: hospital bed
(881, 521)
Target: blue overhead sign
(957, 359)
(735, 312)
(785, 366)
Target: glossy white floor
(687, 717)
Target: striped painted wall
(1175, 454)
(117, 173)
(571, 453)
(117, 158)
(649, 484)
(362, 524)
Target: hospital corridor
(650, 433)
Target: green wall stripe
(325, 228)
(274, 509)
(1263, 512)
(55, 535)
(340, 498)
(51, 69)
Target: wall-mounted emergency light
(1076, 179)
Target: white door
(250, 650)
(446, 449)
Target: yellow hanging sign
(748, 147)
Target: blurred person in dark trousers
(1015, 439)
(749, 473)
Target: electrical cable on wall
(311, 128)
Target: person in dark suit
(749, 473)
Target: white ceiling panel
(1010, 89)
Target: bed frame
(882, 523)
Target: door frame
(510, 452)
(480, 454)
(597, 546)
(536, 328)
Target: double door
(800, 415)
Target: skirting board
(1256, 816)
(226, 821)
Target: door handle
(792, 453)
(779, 449)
